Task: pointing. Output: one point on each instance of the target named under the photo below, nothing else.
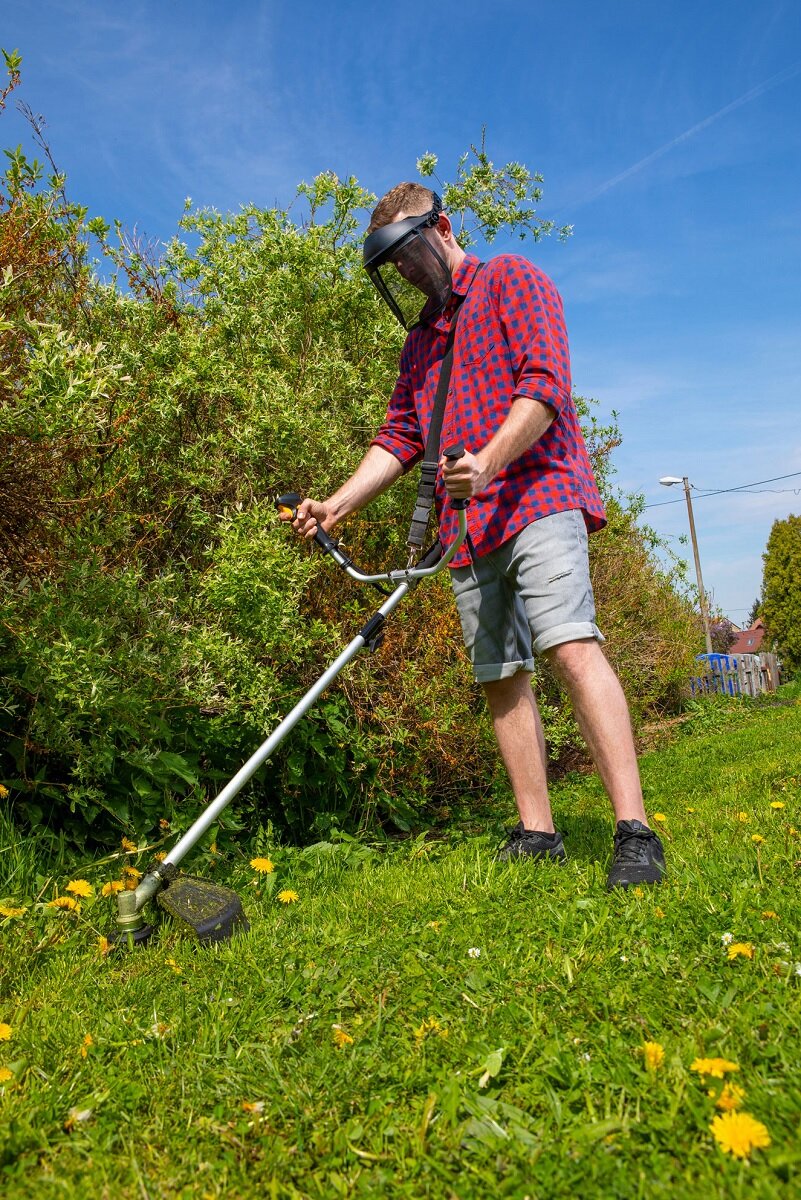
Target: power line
(704, 495)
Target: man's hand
(309, 515)
(525, 423)
(466, 476)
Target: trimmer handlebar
(288, 503)
(452, 453)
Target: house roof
(749, 641)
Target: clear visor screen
(413, 275)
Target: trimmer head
(214, 913)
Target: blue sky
(669, 135)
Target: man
(522, 582)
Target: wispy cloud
(752, 94)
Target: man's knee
(572, 662)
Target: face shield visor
(408, 269)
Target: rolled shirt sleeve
(532, 319)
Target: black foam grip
(453, 452)
(322, 539)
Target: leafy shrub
(155, 619)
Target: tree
(781, 590)
(755, 613)
(723, 635)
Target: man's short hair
(411, 198)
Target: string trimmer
(213, 912)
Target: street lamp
(668, 481)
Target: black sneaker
(639, 856)
(531, 843)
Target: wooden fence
(735, 674)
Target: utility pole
(668, 481)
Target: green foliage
(487, 198)
(156, 621)
(781, 591)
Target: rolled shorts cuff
(574, 631)
(492, 672)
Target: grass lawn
(423, 1022)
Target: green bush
(155, 619)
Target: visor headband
(379, 244)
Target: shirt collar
(464, 273)
(462, 279)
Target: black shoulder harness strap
(429, 465)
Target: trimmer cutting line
(213, 912)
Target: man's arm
(525, 423)
(377, 471)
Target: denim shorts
(530, 594)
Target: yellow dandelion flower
(128, 846)
(429, 1025)
(65, 902)
(714, 1067)
(730, 1098)
(5, 1074)
(435, 925)
(263, 865)
(170, 962)
(160, 855)
(739, 1133)
(341, 1038)
(793, 832)
(164, 824)
(658, 913)
(131, 872)
(740, 950)
(654, 1055)
(287, 896)
(5, 1032)
(4, 792)
(690, 810)
(660, 817)
(770, 915)
(11, 910)
(743, 816)
(639, 893)
(85, 1044)
(757, 838)
(777, 804)
(109, 889)
(80, 887)
(104, 946)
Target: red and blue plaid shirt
(510, 341)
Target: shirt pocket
(475, 348)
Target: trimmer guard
(212, 911)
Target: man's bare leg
(602, 715)
(518, 729)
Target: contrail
(746, 97)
